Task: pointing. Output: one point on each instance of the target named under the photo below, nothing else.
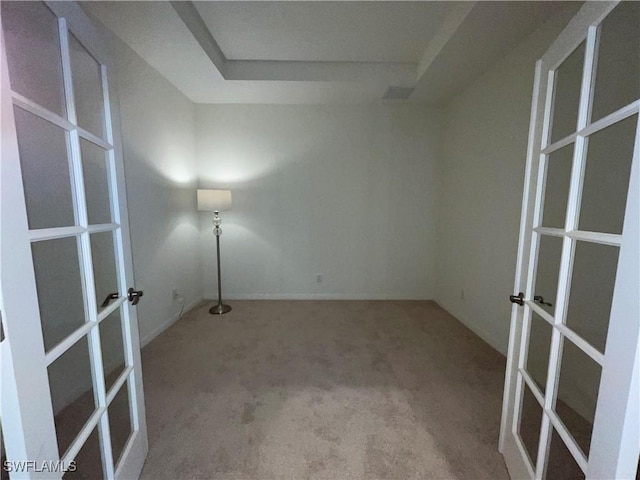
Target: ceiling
(310, 52)
(324, 31)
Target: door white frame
(616, 438)
(25, 401)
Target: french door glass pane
(72, 394)
(120, 422)
(96, 182)
(45, 171)
(547, 271)
(618, 63)
(112, 346)
(591, 295)
(87, 88)
(530, 422)
(606, 178)
(88, 461)
(33, 53)
(558, 178)
(59, 287)
(104, 266)
(567, 95)
(578, 386)
(561, 464)
(539, 349)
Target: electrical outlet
(462, 294)
(175, 294)
(319, 278)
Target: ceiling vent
(398, 93)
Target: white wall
(346, 192)
(481, 175)
(157, 123)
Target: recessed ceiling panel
(324, 31)
(354, 31)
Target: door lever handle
(540, 299)
(519, 299)
(134, 295)
(111, 296)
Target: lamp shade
(211, 200)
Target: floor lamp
(215, 201)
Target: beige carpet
(319, 389)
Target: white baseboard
(318, 296)
(167, 323)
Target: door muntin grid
(82, 232)
(570, 236)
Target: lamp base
(220, 309)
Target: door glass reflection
(539, 349)
(45, 169)
(567, 95)
(120, 422)
(530, 423)
(548, 268)
(578, 386)
(56, 266)
(72, 395)
(561, 464)
(104, 267)
(88, 462)
(112, 346)
(606, 177)
(95, 171)
(33, 53)
(591, 294)
(87, 88)
(616, 83)
(557, 181)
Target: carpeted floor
(322, 389)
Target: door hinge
(519, 299)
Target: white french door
(572, 391)
(71, 396)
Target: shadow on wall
(165, 225)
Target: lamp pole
(215, 201)
(220, 308)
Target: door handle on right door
(519, 299)
(134, 295)
(540, 299)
